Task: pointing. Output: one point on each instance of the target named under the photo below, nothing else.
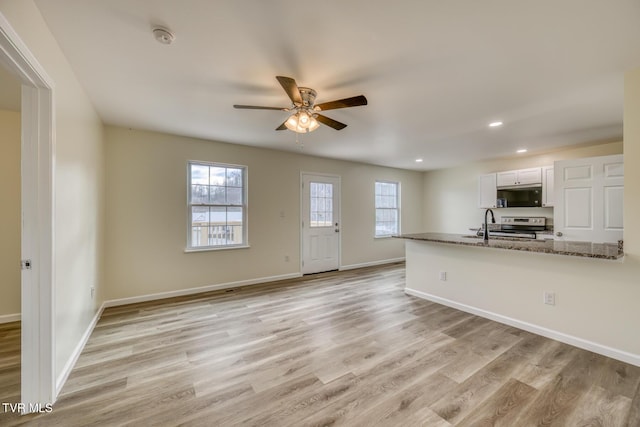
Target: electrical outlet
(549, 298)
(286, 258)
(443, 276)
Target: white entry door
(320, 223)
(589, 199)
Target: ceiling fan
(305, 115)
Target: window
(321, 204)
(387, 208)
(217, 206)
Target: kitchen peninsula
(534, 285)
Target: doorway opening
(10, 240)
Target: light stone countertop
(581, 249)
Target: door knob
(337, 230)
(559, 234)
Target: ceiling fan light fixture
(294, 125)
(303, 119)
(314, 124)
(302, 122)
(292, 122)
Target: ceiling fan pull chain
(298, 142)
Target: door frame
(300, 228)
(38, 385)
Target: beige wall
(10, 212)
(451, 195)
(79, 182)
(632, 165)
(146, 213)
(596, 300)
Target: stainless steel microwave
(519, 197)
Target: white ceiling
(435, 72)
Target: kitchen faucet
(486, 227)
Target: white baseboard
(8, 318)
(604, 350)
(68, 367)
(191, 291)
(371, 264)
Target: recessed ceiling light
(495, 124)
(419, 160)
(522, 150)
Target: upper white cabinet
(519, 177)
(589, 199)
(547, 186)
(507, 178)
(487, 191)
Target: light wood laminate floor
(346, 348)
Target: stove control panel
(537, 221)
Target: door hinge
(25, 264)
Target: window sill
(209, 249)
(388, 236)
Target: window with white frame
(217, 205)
(387, 208)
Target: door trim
(38, 385)
(301, 217)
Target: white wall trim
(371, 263)
(191, 291)
(624, 356)
(77, 351)
(38, 199)
(8, 318)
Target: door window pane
(321, 204)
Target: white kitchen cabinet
(589, 199)
(487, 191)
(547, 186)
(529, 176)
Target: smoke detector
(163, 35)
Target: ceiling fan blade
(255, 107)
(289, 85)
(282, 126)
(330, 122)
(354, 101)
